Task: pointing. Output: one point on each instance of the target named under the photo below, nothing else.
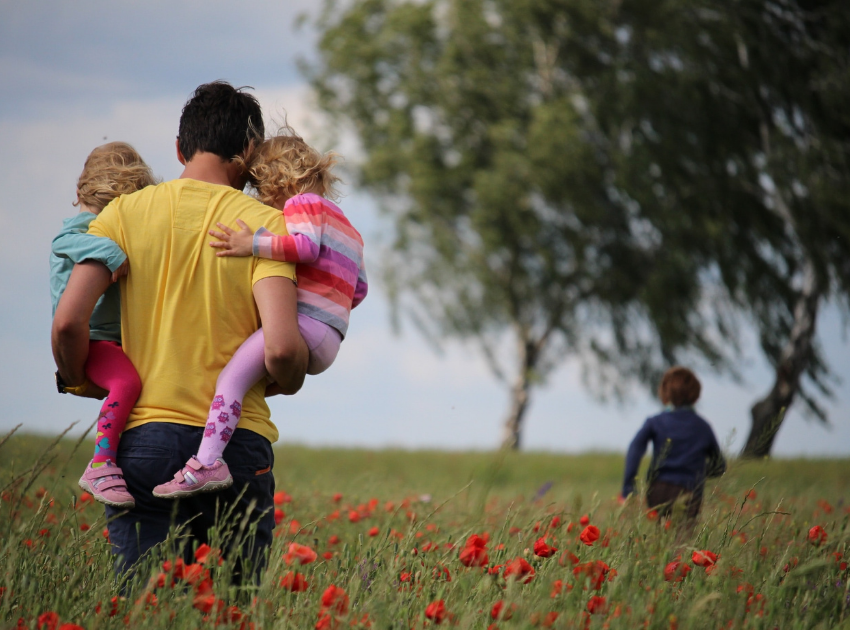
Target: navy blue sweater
(684, 450)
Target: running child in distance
(684, 449)
(110, 170)
(289, 175)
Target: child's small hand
(122, 270)
(233, 243)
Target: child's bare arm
(232, 242)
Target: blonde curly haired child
(110, 170)
(292, 176)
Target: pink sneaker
(195, 478)
(106, 484)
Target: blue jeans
(150, 455)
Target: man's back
(185, 311)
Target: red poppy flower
(474, 552)
(595, 572)
(817, 535)
(590, 535)
(549, 620)
(584, 520)
(519, 569)
(825, 506)
(597, 604)
(202, 553)
(436, 611)
(500, 611)
(441, 572)
(194, 573)
(557, 588)
(676, 571)
(301, 553)
(353, 516)
(326, 621)
(335, 599)
(704, 558)
(568, 556)
(279, 515)
(294, 582)
(281, 497)
(70, 626)
(337, 497)
(543, 550)
(49, 620)
(374, 531)
(204, 599)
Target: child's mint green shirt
(73, 245)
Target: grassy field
(417, 539)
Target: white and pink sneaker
(195, 478)
(106, 484)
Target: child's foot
(195, 478)
(106, 484)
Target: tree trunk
(520, 394)
(769, 412)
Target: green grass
(425, 505)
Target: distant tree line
(622, 182)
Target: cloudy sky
(73, 75)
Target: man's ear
(179, 152)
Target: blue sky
(75, 74)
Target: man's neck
(210, 168)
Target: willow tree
(477, 121)
(736, 115)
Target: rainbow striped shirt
(328, 253)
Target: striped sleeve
(294, 248)
(362, 287)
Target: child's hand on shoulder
(232, 242)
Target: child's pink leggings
(248, 366)
(108, 367)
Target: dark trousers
(150, 455)
(661, 496)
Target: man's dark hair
(219, 119)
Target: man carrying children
(184, 314)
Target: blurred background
(559, 200)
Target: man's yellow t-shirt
(185, 311)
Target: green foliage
(614, 181)
(478, 134)
(424, 506)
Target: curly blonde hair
(285, 166)
(111, 170)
